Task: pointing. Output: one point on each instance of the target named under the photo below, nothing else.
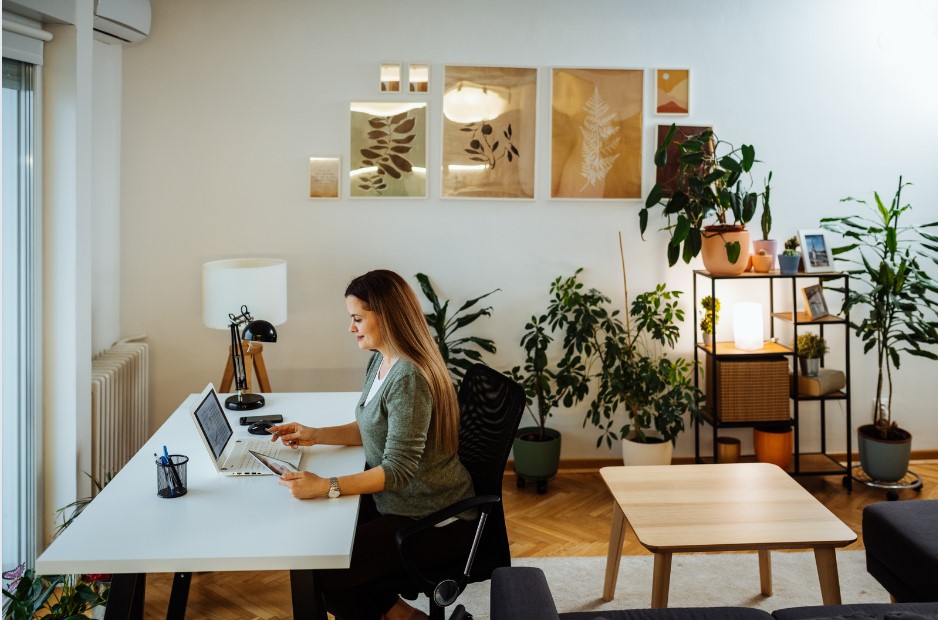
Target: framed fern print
(489, 128)
(388, 149)
(596, 133)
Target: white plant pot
(634, 453)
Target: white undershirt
(378, 382)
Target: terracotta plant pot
(713, 249)
(771, 249)
(773, 445)
(763, 263)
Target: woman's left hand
(305, 484)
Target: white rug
(697, 580)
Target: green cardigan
(418, 479)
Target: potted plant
(765, 247)
(547, 385)
(459, 353)
(889, 261)
(790, 257)
(709, 185)
(708, 324)
(810, 349)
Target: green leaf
(732, 251)
(749, 156)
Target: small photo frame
(324, 177)
(418, 77)
(672, 91)
(815, 306)
(816, 251)
(390, 78)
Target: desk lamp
(258, 283)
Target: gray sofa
(522, 593)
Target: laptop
(232, 456)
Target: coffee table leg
(827, 574)
(765, 572)
(614, 557)
(661, 582)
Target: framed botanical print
(388, 149)
(489, 129)
(596, 133)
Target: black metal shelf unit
(803, 464)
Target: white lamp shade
(258, 283)
(747, 326)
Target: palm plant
(459, 352)
(890, 261)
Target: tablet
(275, 465)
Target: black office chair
(490, 406)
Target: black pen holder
(171, 476)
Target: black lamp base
(244, 402)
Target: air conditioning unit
(122, 21)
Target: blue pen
(177, 481)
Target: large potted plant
(548, 383)
(888, 261)
(710, 184)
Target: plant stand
(911, 480)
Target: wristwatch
(334, 491)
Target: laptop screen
(215, 427)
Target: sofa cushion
(858, 611)
(672, 613)
(902, 548)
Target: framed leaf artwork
(388, 149)
(489, 128)
(596, 133)
(673, 91)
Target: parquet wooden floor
(572, 519)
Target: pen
(177, 481)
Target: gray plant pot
(788, 265)
(810, 366)
(884, 460)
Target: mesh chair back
(490, 406)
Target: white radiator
(119, 409)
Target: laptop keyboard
(246, 462)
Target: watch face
(334, 488)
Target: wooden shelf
(729, 348)
(803, 318)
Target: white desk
(223, 522)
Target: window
(20, 314)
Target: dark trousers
(362, 591)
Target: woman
(408, 423)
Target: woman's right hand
(294, 434)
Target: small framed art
(323, 177)
(418, 77)
(815, 306)
(816, 251)
(672, 91)
(390, 79)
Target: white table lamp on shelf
(234, 291)
(747, 326)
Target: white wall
(226, 101)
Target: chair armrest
(521, 593)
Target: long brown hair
(405, 329)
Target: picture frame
(489, 132)
(418, 77)
(672, 92)
(816, 251)
(325, 178)
(815, 306)
(390, 77)
(388, 149)
(596, 133)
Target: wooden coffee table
(724, 507)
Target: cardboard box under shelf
(751, 390)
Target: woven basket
(751, 390)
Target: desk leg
(661, 582)
(179, 596)
(827, 573)
(614, 556)
(125, 600)
(307, 598)
(765, 572)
